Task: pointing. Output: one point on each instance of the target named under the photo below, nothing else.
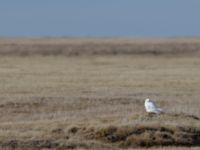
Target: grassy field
(55, 100)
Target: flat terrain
(96, 101)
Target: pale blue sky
(100, 18)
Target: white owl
(151, 107)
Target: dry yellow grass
(59, 102)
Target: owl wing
(151, 106)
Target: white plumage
(151, 107)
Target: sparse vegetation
(51, 100)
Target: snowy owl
(151, 107)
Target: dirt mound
(114, 137)
(151, 134)
(148, 136)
